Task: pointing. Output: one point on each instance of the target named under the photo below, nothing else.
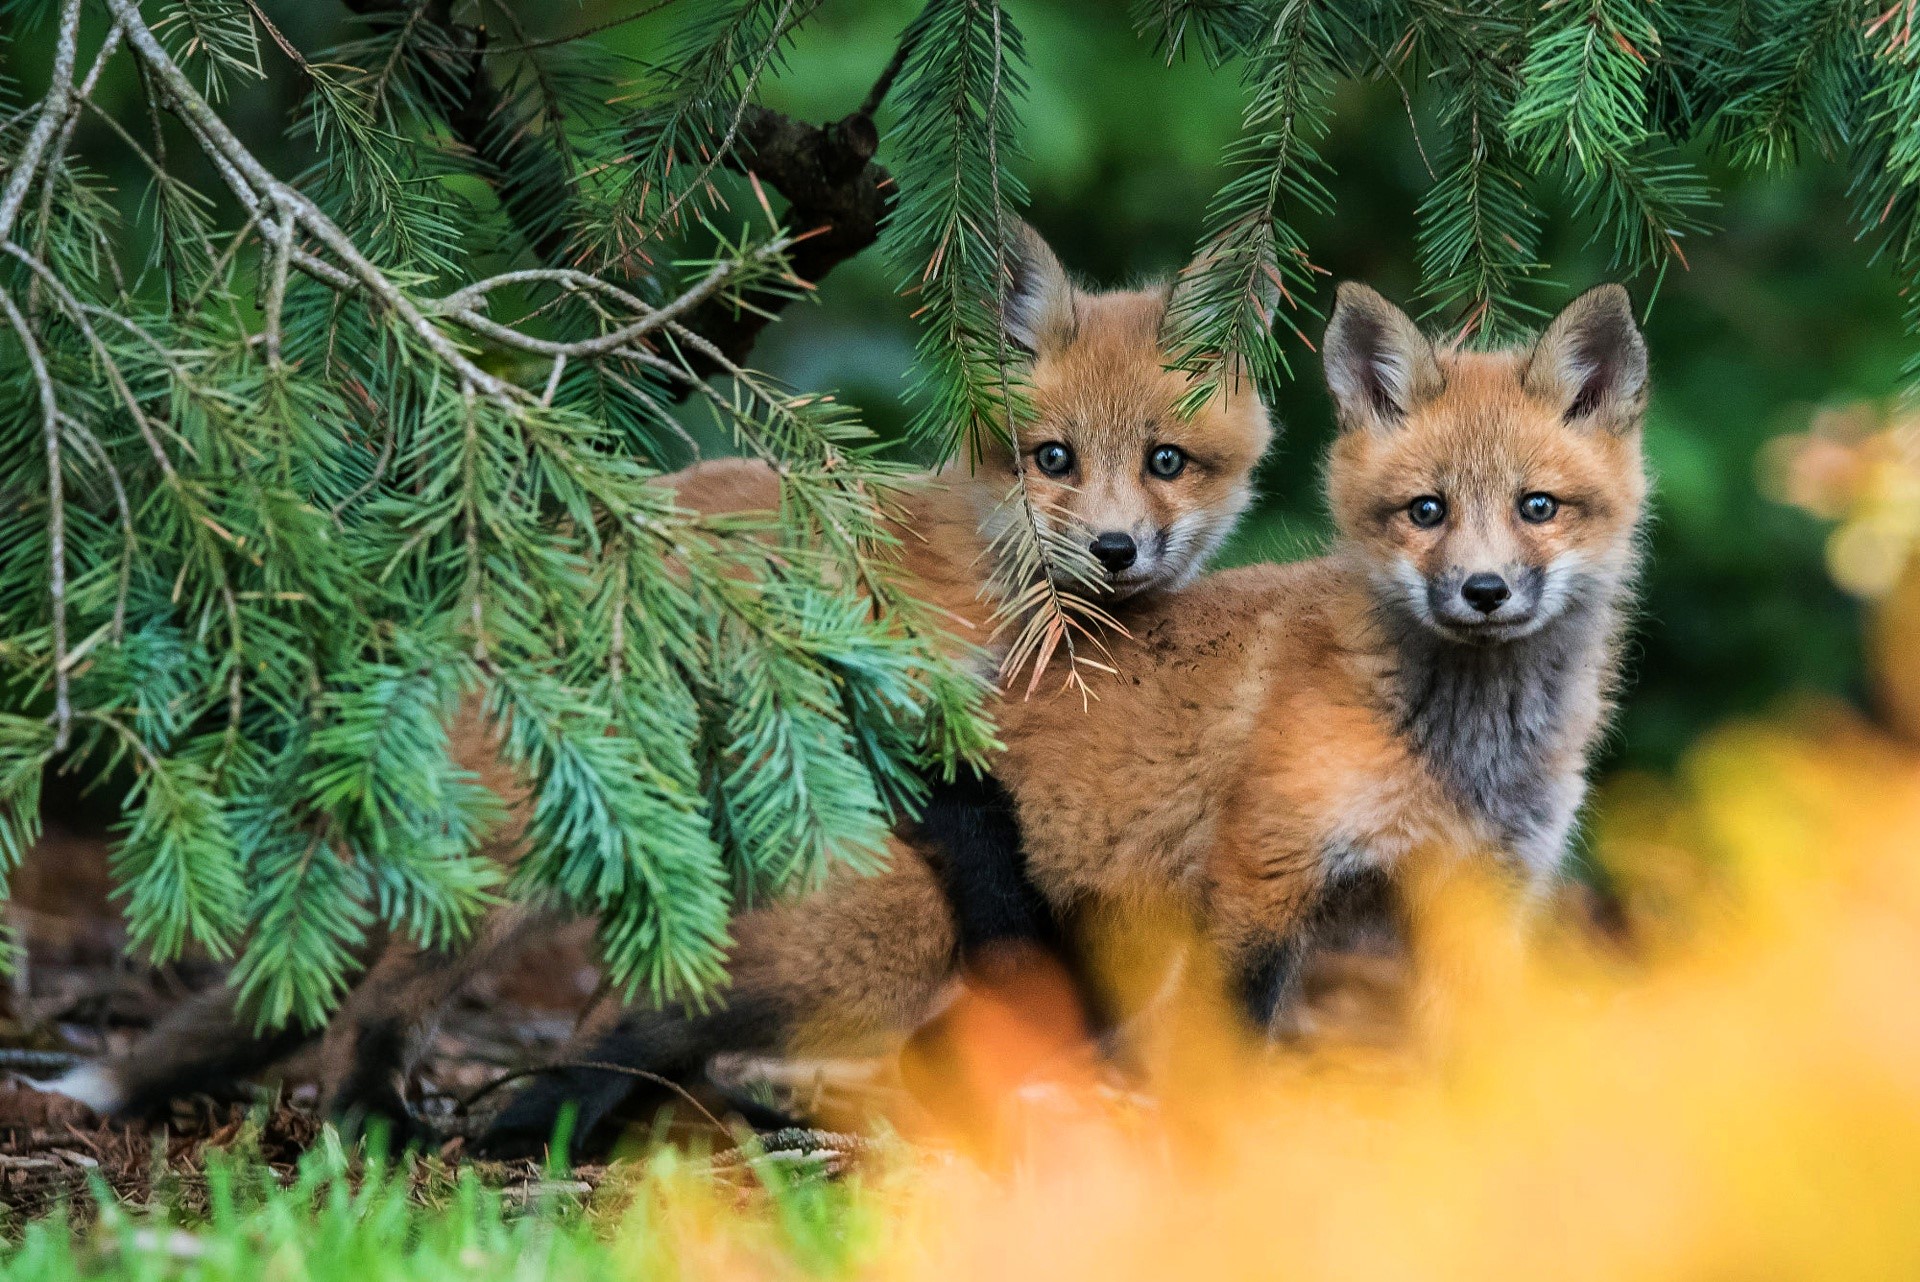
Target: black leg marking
(370, 1095)
(1269, 982)
(671, 1044)
(1351, 908)
(971, 823)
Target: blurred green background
(1779, 312)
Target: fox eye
(1427, 511)
(1538, 508)
(1167, 462)
(1053, 458)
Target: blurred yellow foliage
(1733, 1092)
(1737, 1096)
(1859, 467)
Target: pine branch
(1800, 85)
(1583, 105)
(529, 176)
(837, 198)
(1479, 230)
(1583, 83)
(1254, 259)
(363, 460)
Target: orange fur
(1256, 733)
(1099, 385)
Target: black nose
(1115, 551)
(1485, 592)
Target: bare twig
(528, 46)
(882, 86)
(599, 1066)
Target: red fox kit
(1278, 737)
(1103, 448)
(1103, 453)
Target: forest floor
(78, 997)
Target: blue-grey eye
(1053, 458)
(1427, 511)
(1167, 461)
(1538, 508)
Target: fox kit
(1279, 739)
(1154, 493)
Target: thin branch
(280, 236)
(781, 26)
(550, 42)
(56, 518)
(53, 115)
(460, 305)
(553, 379)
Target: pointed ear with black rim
(1379, 365)
(1187, 304)
(1592, 361)
(1037, 298)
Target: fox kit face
(1488, 492)
(1105, 455)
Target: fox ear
(1592, 361)
(1379, 364)
(1037, 303)
(1186, 295)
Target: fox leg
(1275, 899)
(371, 1042)
(1270, 977)
(851, 969)
(969, 827)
